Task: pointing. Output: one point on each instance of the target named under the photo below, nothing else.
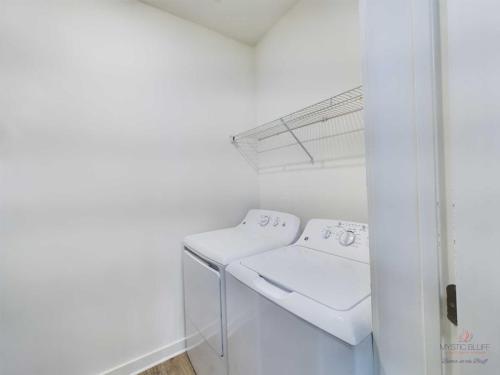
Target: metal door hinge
(451, 303)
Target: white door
(471, 62)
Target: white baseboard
(148, 360)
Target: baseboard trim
(149, 360)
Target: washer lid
(333, 281)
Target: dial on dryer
(264, 220)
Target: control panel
(343, 238)
(270, 221)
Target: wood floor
(179, 365)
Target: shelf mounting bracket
(298, 140)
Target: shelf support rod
(298, 141)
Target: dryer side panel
(202, 303)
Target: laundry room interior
(211, 187)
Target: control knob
(264, 220)
(347, 238)
(327, 232)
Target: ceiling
(243, 20)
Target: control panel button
(264, 220)
(327, 232)
(347, 238)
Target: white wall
(114, 123)
(311, 54)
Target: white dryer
(205, 258)
(304, 308)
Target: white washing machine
(205, 258)
(305, 308)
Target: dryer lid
(333, 281)
(260, 230)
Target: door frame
(401, 77)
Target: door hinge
(451, 303)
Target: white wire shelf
(329, 130)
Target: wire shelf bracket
(298, 141)
(332, 129)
